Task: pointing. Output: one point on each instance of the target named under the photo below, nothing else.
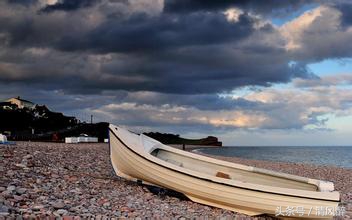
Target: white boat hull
(131, 164)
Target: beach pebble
(20, 165)
(18, 198)
(59, 205)
(61, 211)
(21, 191)
(28, 157)
(37, 207)
(78, 181)
(107, 204)
(4, 208)
(11, 188)
(7, 194)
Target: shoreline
(57, 179)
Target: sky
(253, 73)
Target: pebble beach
(76, 181)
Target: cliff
(40, 124)
(166, 138)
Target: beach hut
(83, 138)
(71, 140)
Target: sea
(332, 156)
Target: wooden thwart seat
(223, 175)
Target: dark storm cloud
(141, 33)
(199, 101)
(193, 71)
(264, 7)
(31, 30)
(346, 13)
(201, 52)
(194, 5)
(183, 57)
(68, 5)
(22, 2)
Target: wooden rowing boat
(236, 187)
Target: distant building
(7, 106)
(21, 103)
(3, 138)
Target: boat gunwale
(238, 166)
(149, 158)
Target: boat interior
(231, 173)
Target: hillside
(25, 121)
(39, 118)
(41, 124)
(176, 139)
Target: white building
(81, 139)
(21, 103)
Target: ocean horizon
(339, 156)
